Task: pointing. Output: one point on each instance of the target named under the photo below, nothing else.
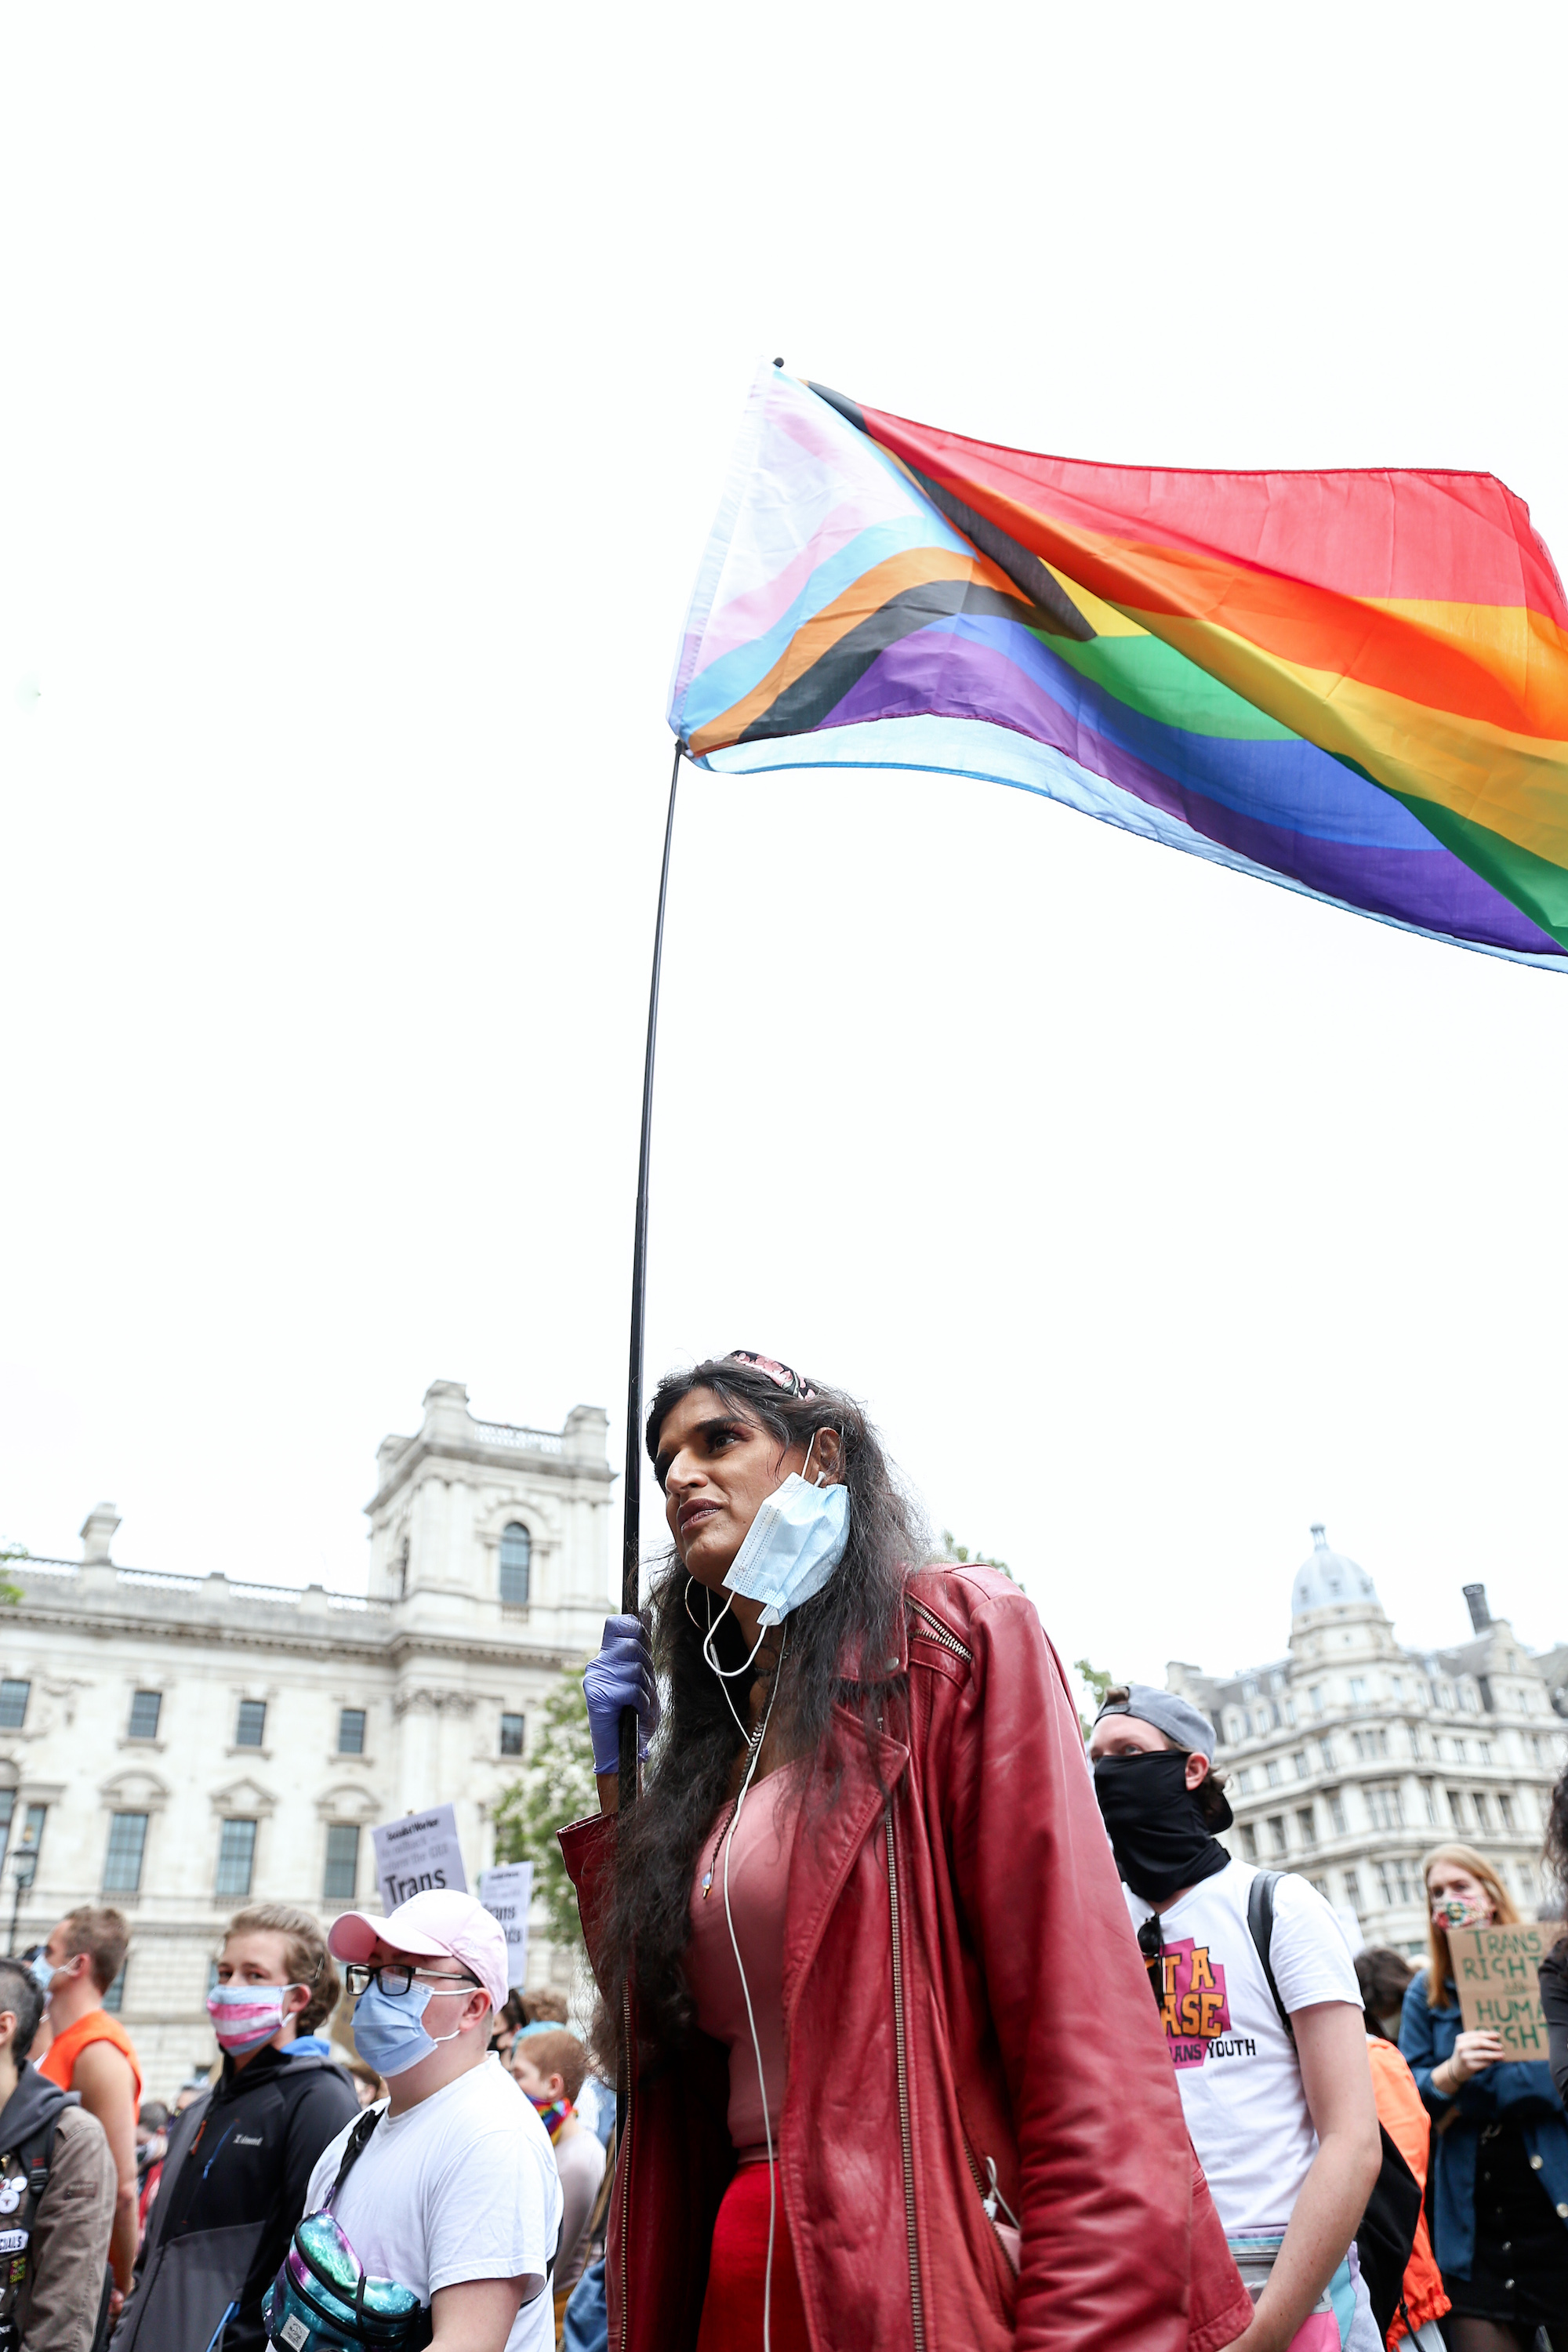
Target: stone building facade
(1352, 1755)
(173, 1745)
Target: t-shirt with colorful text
(1241, 2084)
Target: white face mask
(793, 1545)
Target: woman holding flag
(895, 2075)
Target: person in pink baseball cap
(448, 2185)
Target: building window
(1383, 1804)
(343, 1862)
(1457, 1808)
(351, 1731)
(1306, 1821)
(1352, 1890)
(1337, 1812)
(516, 1550)
(1316, 1696)
(1250, 1690)
(1326, 1754)
(251, 1727)
(1505, 1807)
(122, 1862)
(1233, 1727)
(1484, 1750)
(1483, 1810)
(145, 1708)
(1320, 1887)
(235, 1858)
(1527, 1886)
(114, 1998)
(1358, 1690)
(1429, 1798)
(13, 1704)
(1271, 1772)
(1276, 1833)
(1399, 1880)
(1302, 1765)
(1248, 1842)
(512, 1735)
(1370, 1743)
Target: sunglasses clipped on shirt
(1152, 1944)
(394, 1977)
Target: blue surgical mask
(42, 1972)
(388, 2035)
(793, 1545)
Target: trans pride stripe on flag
(1352, 683)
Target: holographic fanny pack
(322, 2301)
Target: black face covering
(1158, 1832)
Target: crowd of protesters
(930, 2029)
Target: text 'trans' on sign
(506, 1893)
(419, 1852)
(1496, 1971)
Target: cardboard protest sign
(419, 1851)
(1495, 1969)
(506, 1893)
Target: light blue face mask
(388, 2032)
(793, 1545)
(43, 1974)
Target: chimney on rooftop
(1480, 1615)
(97, 1533)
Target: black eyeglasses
(396, 1976)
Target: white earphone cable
(746, 1994)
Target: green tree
(1097, 1680)
(556, 1786)
(952, 1550)
(9, 1592)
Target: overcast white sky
(371, 377)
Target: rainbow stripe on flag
(1353, 684)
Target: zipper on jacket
(901, 2055)
(939, 1633)
(623, 2154)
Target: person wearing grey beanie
(1262, 2015)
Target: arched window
(515, 1550)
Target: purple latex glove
(620, 1676)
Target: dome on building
(1328, 1580)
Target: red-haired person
(1385, 1976)
(1499, 2142)
(92, 2053)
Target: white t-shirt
(1241, 2084)
(463, 2186)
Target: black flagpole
(631, 1527)
(631, 1514)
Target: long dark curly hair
(854, 1616)
(1556, 1848)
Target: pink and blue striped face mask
(243, 2016)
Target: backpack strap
(353, 2152)
(1260, 1922)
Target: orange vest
(96, 2026)
(1403, 2117)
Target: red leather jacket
(962, 1990)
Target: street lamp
(23, 1871)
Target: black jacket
(233, 2187)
